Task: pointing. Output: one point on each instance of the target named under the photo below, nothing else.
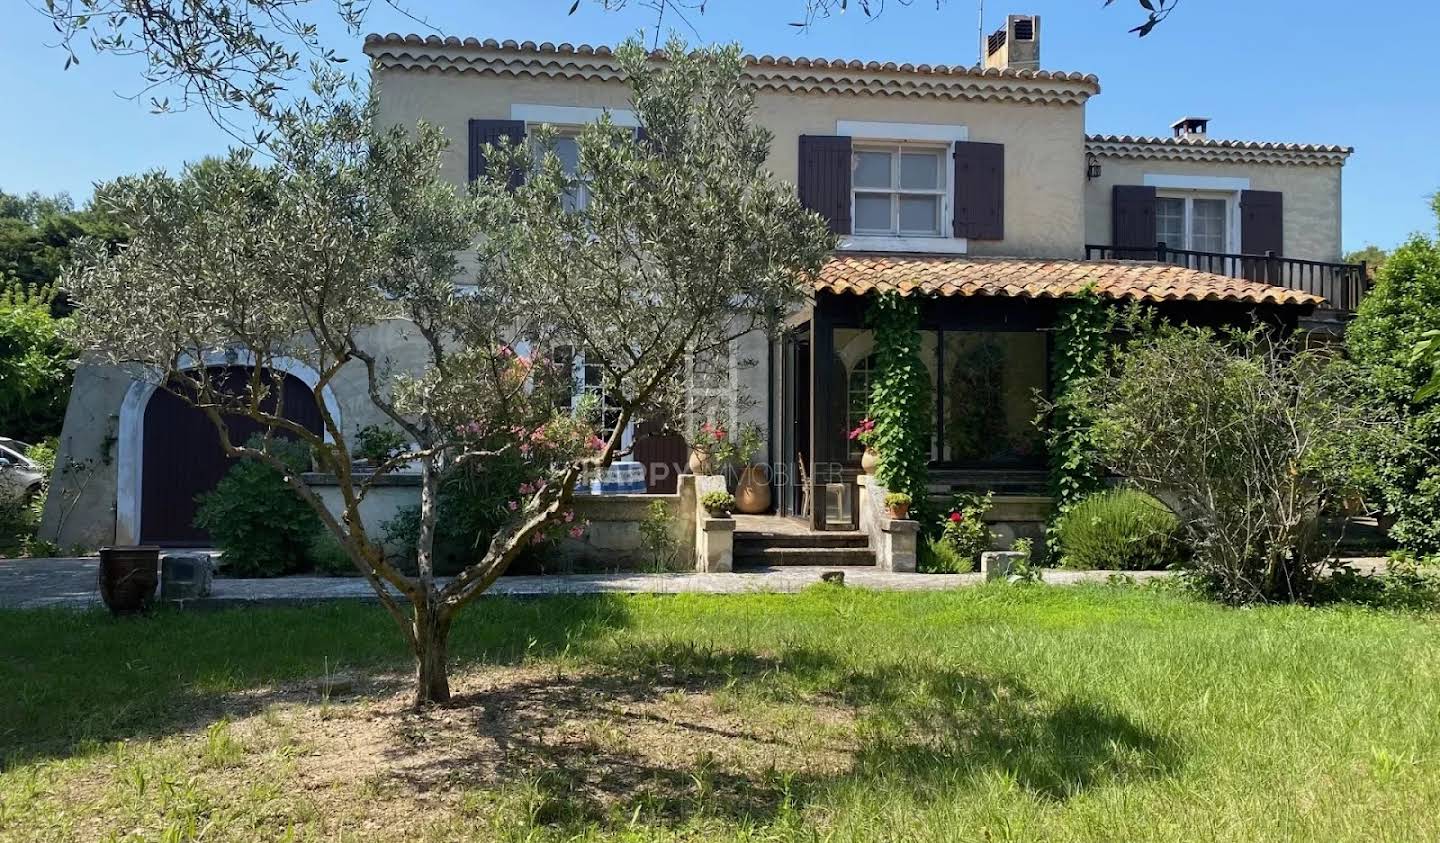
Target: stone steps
(753, 555)
(835, 538)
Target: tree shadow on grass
(613, 744)
(72, 680)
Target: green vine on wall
(1082, 330)
(900, 400)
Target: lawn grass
(998, 713)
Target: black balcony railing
(1342, 285)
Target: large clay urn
(868, 461)
(752, 492)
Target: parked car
(19, 475)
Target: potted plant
(710, 448)
(718, 504)
(128, 576)
(752, 490)
(898, 505)
(865, 434)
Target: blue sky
(1320, 71)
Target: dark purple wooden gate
(663, 454)
(182, 457)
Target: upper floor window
(1192, 222)
(567, 149)
(899, 189)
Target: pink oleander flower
(597, 444)
(537, 538)
(514, 505)
(569, 515)
(505, 351)
(577, 532)
(718, 433)
(526, 489)
(863, 428)
(525, 449)
(957, 517)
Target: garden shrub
(329, 557)
(1082, 328)
(938, 556)
(1252, 438)
(1120, 529)
(1392, 321)
(661, 547)
(378, 443)
(958, 537)
(261, 526)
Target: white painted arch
(130, 442)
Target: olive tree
(684, 241)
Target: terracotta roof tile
(1039, 279)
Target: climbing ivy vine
(900, 400)
(1082, 331)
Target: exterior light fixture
(1092, 167)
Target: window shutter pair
(979, 201)
(1262, 225)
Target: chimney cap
(1190, 126)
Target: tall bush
(34, 363)
(900, 401)
(1392, 321)
(262, 528)
(1248, 434)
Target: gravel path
(36, 583)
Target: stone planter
(869, 460)
(752, 492)
(128, 576)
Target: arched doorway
(182, 458)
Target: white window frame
(1229, 188)
(579, 389)
(897, 150)
(1232, 205)
(864, 133)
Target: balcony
(1342, 285)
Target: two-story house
(975, 188)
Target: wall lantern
(1092, 167)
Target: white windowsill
(917, 245)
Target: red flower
(956, 517)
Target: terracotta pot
(752, 492)
(128, 576)
(900, 513)
(869, 460)
(699, 462)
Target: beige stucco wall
(1311, 203)
(1044, 144)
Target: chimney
(1016, 46)
(1195, 128)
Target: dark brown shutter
(1262, 227)
(493, 132)
(1132, 209)
(980, 191)
(825, 178)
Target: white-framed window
(1194, 221)
(899, 189)
(566, 145)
